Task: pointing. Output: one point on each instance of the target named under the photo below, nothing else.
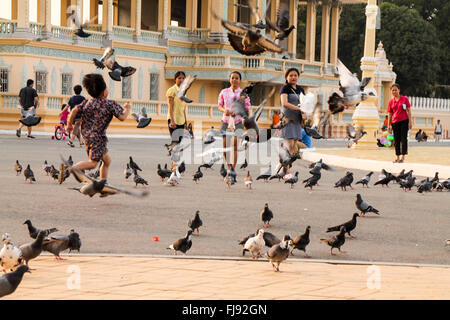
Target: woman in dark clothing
(399, 111)
(290, 106)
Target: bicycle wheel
(58, 133)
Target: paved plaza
(411, 229)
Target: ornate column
(324, 48)
(310, 31)
(23, 18)
(335, 13)
(107, 19)
(136, 11)
(217, 34)
(366, 114)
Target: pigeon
(18, 168)
(106, 54)
(254, 245)
(46, 167)
(353, 135)
(10, 255)
(320, 164)
(210, 135)
(300, 242)
(197, 175)
(402, 175)
(384, 181)
(266, 175)
(434, 182)
(54, 172)
(133, 165)
(30, 119)
(184, 87)
(183, 142)
(336, 241)
(313, 133)
(279, 252)
(425, 186)
(183, 244)
(138, 179)
(365, 181)
(117, 71)
(94, 174)
(408, 183)
(92, 186)
(269, 239)
(78, 26)
(182, 168)
(142, 119)
(282, 24)
(230, 178)
(285, 158)
(33, 231)
(195, 223)
(247, 41)
(174, 178)
(446, 184)
(292, 180)
(9, 282)
(279, 175)
(163, 173)
(345, 181)
(128, 171)
(248, 180)
(312, 181)
(33, 249)
(258, 18)
(57, 244)
(70, 161)
(349, 226)
(64, 168)
(364, 207)
(28, 173)
(223, 171)
(266, 215)
(244, 165)
(208, 165)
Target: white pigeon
(174, 178)
(255, 244)
(10, 256)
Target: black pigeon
(28, 173)
(195, 223)
(292, 180)
(184, 87)
(208, 165)
(10, 281)
(183, 244)
(264, 176)
(33, 249)
(106, 54)
(58, 244)
(312, 181)
(223, 171)
(138, 179)
(163, 173)
(244, 165)
(33, 231)
(313, 133)
(403, 176)
(384, 182)
(279, 252)
(435, 181)
(279, 175)
(282, 25)
(79, 26)
(300, 242)
(133, 165)
(128, 171)
(18, 168)
(142, 119)
(47, 167)
(349, 226)
(70, 161)
(345, 181)
(197, 175)
(408, 183)
(118, 71)
(364, 207)
(425, 186)
(365, 181)
(336, 241)
(266, 215)
(182, 168)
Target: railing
(123, 33)
(151, 37)
(178, 33)
(94, 27)
(95, 37)
(36, 28)
(62, 33)
(202, 34)
(423, 103)
(8, 27)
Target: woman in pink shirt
(230, 119)
(399, 111)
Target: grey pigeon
(408, 183)
(279, 252)
(353, 135)
(266, 215)
(33, 249)
(46, 167)
(282, 26)
(345, 182)
(18, 168)
(300, 242)
(223, 171)
(58, 244)
(365, 181)
(54, 172)
(80, 26)
(33, 231)
(402, 175)
(336, 241)
(70, 161)
(195, 223)
(266, 175)
(293, 180)
(142, 119)
(279, 175)
(106, 54)
(29, 175)
(244, 165)
(184, 87)
(9, 282)
(319, 165)
(128, 171)
(183, 244)
(364, 207)
(349, 226)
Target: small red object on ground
(155, 239)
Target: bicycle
(61, 132)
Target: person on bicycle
(64, 115)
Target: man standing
(28, 99)
(437, 131)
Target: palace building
(160, 37)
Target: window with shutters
(66, 84)
(41, 81)
(126, 88)
(4, 77)
(154, 86)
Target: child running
(96, 115)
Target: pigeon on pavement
(128, 171)
(255, 244)
(279, 252)
(349, 226)
(33, 249)
(9, 282)
(10, 255)
(425, 186)
(248, 180)
(364, 207)
(134, 165)
(266, 215)
(18, 168)
(183, 244)
(46, 167)
(29, 175)
(138, 179)
(33, 231)
(408, 183)
(345, 182)
(195, 223)
(292, 180)
(57, 244)
(300, 242)
(312, 181)
(336, 241)
(365, 181)
(197, 175)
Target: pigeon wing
(346, 78)
(110, 189)
(236, 43)
(269, 45)
(283, 16)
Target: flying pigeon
(300, 242)
(313, 133)
(254, 245)
(353, 135)
(292, 180)
(258, 18)
(195, 223)
(336, 241)
(248, 180)
(365, 181)
(279, 252)
(349, 226)
(183, 244)
(345, 182)
(184, 87)
(364, 207)
(142, 119)
(78, 26)
(266, 215)
(117, 71)
(138, 179)
(33, 249)
(10, 255)
(30, 119)
(57, 244)
(282, 25)
(33, 231)
(320, 164)
(208, 165)
(9, 282)
(106, 54)
(28, 173)
(18, 168)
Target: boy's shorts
(96, 151)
